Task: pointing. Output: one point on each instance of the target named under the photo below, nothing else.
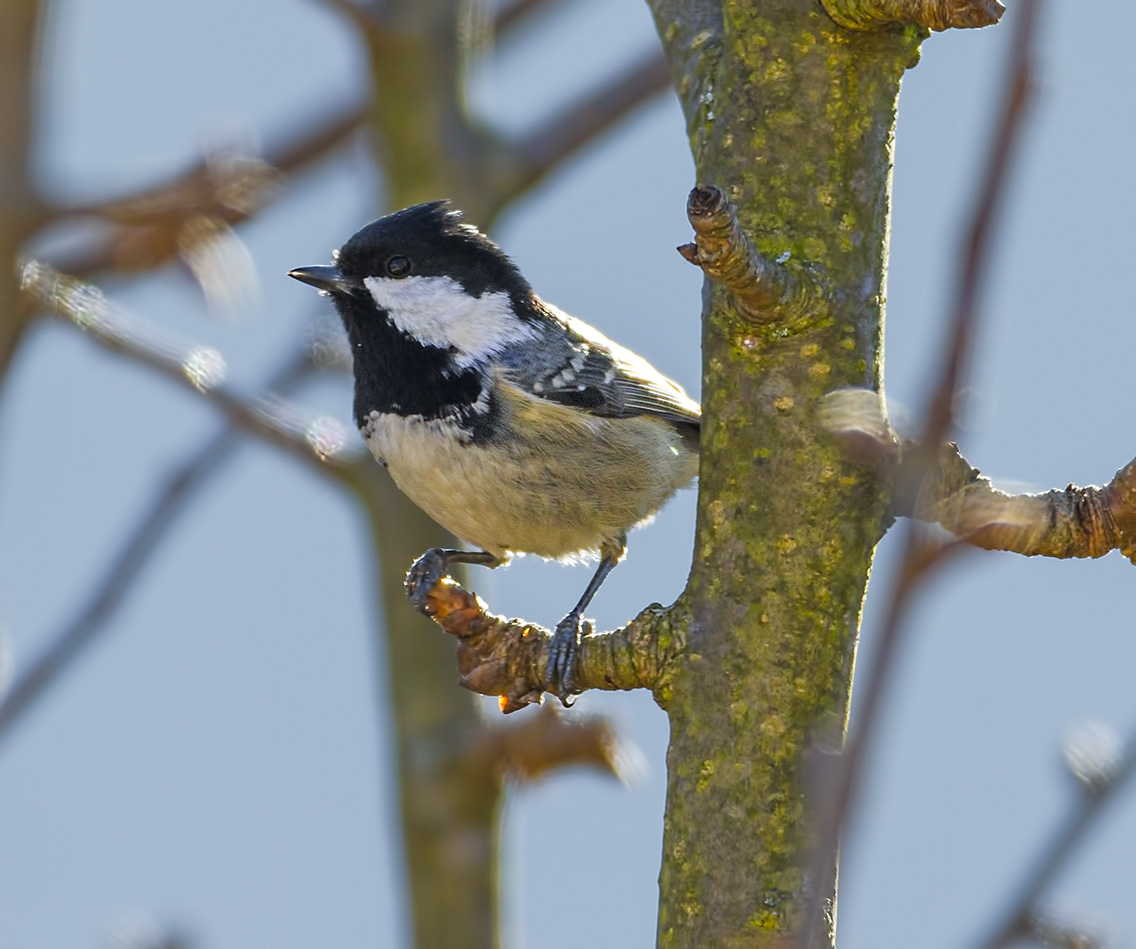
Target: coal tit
(515, 426)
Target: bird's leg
(560, 674)
(429, 569)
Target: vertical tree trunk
(19, 209)
(793, 117)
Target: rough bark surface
(792, 116)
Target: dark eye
(398, 266)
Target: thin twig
(148, 225)
(317, 440)
(1063, 523)
(531, 157)
(125, 568)
(919, 557)
(511, 14)
(1023, 910)
(364, 18)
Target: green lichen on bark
(794, 123)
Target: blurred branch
(1023, 917)
(528, 159)
(764, 290)
(840, 787)
(125, 568)
(516, 12)
(1054, 934)
(544, 742)
(366, 19)
(20, 209)
(319, 441)
(150, 228)
(1064, 523)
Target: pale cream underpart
(575, 482)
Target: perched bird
(517, 427)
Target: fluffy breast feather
(563, 483)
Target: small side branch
(935, 15)
(1063, 523)
(125, 567)
(765, 291)
(526, 160)
(546, 742)
(320, 441)
(512, 14)
(1023, 917)
(508, 658)
(157, 225)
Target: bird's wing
(576, 365)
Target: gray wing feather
(573, 363)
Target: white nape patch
(438, 311)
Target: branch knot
(764, 290)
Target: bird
(516, 426)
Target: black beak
(324, 277)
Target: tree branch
(1064, 523)
(508, 658)
(154, 226)
(21, 211)
(525, 161)
(319, 441)
(935, 15)
(512, 14)
(545, 742)
(1023, 916)
(766, 291)
(125, 568)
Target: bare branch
(365, 19)
(1023, 916)
(512, 14)
(508, 658)
(932, 14)
(527, 160)
(125, 568)
(151, 227)
(543, 743)
(21, 211)
(1064, 523)
(316, 440)
(1054, 934)
(918, 559)
(766, 291)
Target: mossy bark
(793, 117)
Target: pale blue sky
(216, 760)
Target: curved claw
(560, 674)
(425, 574)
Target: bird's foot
(563, 651)
(424, 575)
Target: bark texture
(792, 117)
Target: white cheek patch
(438, 311)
